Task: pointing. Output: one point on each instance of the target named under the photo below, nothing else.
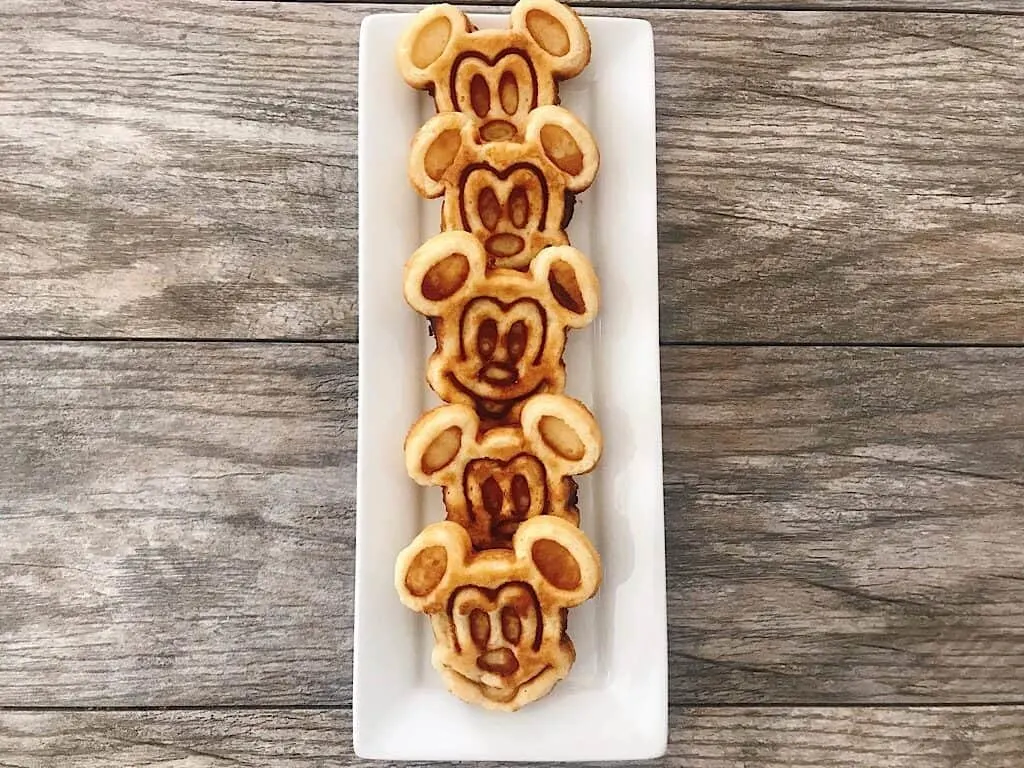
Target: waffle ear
(436, 148)
(567, 143)
(563, 558)
(435, 443)
(558, 35)
(432, 34)
(442, 270)
(426, 570)
(571, 281)
(562, 433)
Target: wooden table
(842, 261)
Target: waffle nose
(498, 130)
(499, 374)
(498, 662)
(505, 244)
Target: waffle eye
(511, 624)
(492, 495)
(479, 627)
(508, 92)
(516, 340)
(480, 95)
(487, 338)
(518, 208)
(521, 494)
(489, 208)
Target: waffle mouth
(499, 695)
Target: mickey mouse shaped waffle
(494, 76)
(516, 197)
(500, 333)
(502, 288)
(495, 480)
(499, 616)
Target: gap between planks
(698, 343)
(906, 6)
(838, 738)
(909, 705)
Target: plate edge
(361, 747)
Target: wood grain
(177, 169)
(842, 177)
(950, 737)
(188, 170)
(845, 524)
(919, 6)
(176, 524)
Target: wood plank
(845, 524)
(842, 737)
(919, 6)
(841, 177)
(177, 169)
(188, 170)
(176, 524)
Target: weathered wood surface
(845, 524)
(829, 177)
(177, 169)
(185, 169)
(176, 524)
(920, 6)
(176, 520)
(841, 737)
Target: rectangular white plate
(614, 704)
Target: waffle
(494, 76)
(502, 287)
(493, 481)
(500, 334)
(499, 616)
(516, 197)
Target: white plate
(614, 703)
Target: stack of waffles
(502, 287)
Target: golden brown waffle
(514, 196)
(500, 333)
(495, 76)
(495, 480)
(499, 616)
(502, 287)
